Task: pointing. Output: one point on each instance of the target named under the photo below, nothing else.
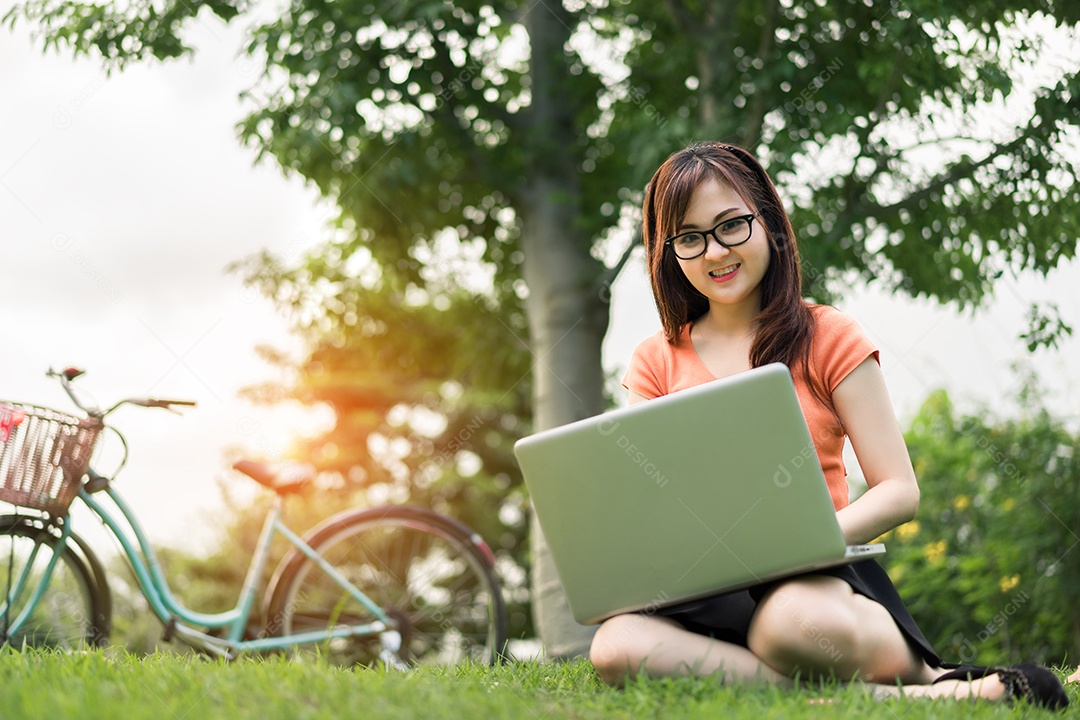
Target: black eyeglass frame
(711, 232)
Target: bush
(991, 567)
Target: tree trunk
(568, 313)
(567, 320)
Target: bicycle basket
(44, 455)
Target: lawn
(111, 684)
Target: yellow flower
(908, 530)
(1008, 504)
(962, 502)
(934, 551)
(1008, 583)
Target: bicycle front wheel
(432, 575)
(71, 614)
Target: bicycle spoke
(67, 615)
(426, 577)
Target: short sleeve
(645, 374)
(839, 346)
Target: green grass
(163, 687)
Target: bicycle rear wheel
(429, 573)
(72, 614)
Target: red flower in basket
(10, 417)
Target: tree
(528, 130)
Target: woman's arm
(862, 402)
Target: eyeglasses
(729, 233)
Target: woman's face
(726, 276)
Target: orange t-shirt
(838, 347)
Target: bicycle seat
(282, 478)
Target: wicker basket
(44, 456)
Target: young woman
(726, 279)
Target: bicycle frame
(183, 622)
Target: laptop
(707, 490)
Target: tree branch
(860, 187)
(958, 172)
(612, 273)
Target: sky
(123, 198)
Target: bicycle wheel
(72, 613)
(429, 573)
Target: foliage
(428, 389)
(991, 567)
(110, 684)
(418, 117)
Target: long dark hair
(785, 324)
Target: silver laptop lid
(715, 487)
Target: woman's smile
(725, 273)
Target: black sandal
(1026, 681)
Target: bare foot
(988, 688)
(1075, 677)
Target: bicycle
(396, 585)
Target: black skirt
(727, 617)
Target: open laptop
(711, 489)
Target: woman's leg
(819, 625)
(628, 644)
(815, 625)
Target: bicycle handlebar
(158, 402)
(67, 375)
